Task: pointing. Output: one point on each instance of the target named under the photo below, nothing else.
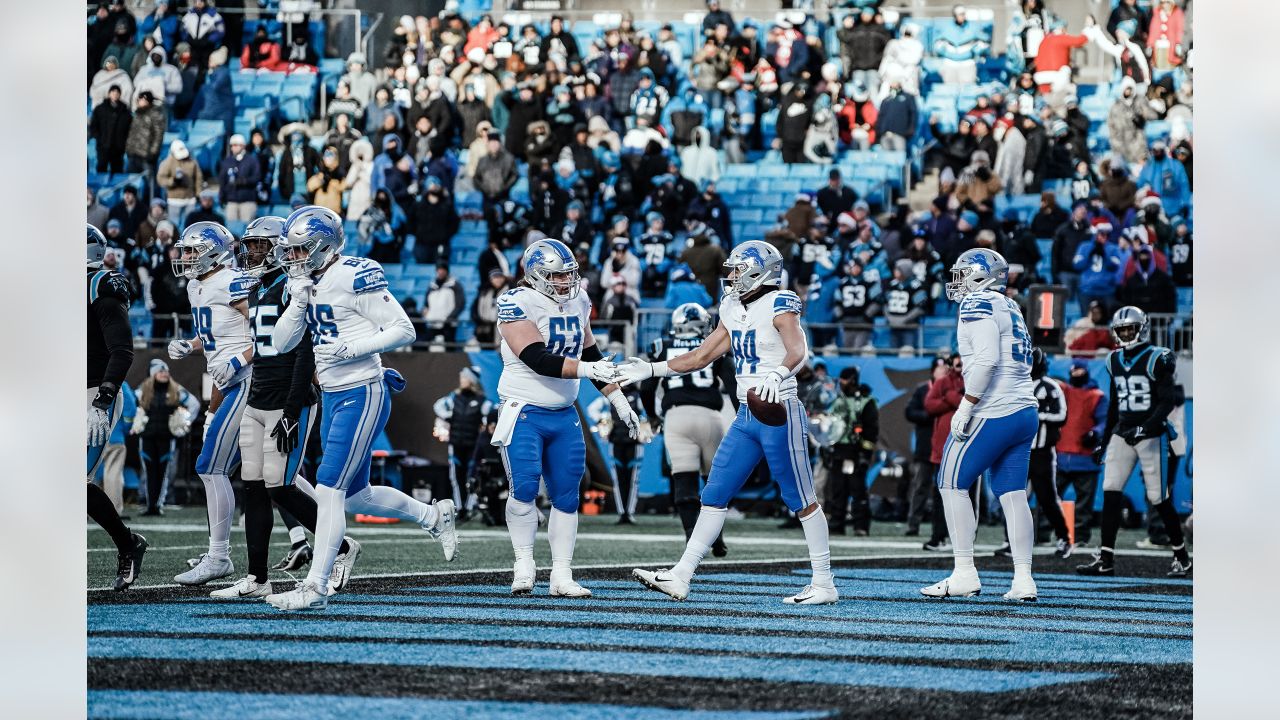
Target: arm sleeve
(1163, 393)
(1057, 412)
(113, 315)
(871, 422)
(289, 328)
(540, 360)
(396, 328)
(304, 368)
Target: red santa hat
(846, 220)
(1100, 225)
(1150, 197)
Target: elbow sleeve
(542, 361)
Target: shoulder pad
(785, 301)
(975, 308)
(240, 287)
(511, 307)
(112, 284)
(369, 277)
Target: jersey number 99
(203, 316)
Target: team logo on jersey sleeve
(369, 280)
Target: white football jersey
(563, 327)
(224, 331)
(351, 302)
(757, 345)
(1011, 388)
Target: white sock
(297, 535)
(819, 541)
(562, 532)
(331, 525)
(522, 524)
(1017, 518)
(305, 485)
(386, 501)
(962, 525)
(221, 504)
(705, 531)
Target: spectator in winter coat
(1091, 334)
(238, 176)
(683, 287)
(862, 47)
(181, 178)
(326, 186)
(943, 398)
(794, 116)
(261, 52)
(716, 16)
(836, 197)
(111, 75)
(1130, 10)
(162, 24)
(1079, 437)
(699, 161)
(96, 213)
(524, 110)
(896, 122)
(128, 211)
(219, 97)
(435, 221)
(484, 311)
(559, 41)
(442, 306)
(157, 75)
(359, 80)
(1099, 264)
(1164, 36)
(203, 28)
(298, 162)
(704, 258)
(1167, 177)
(960, 44)
(1125, 122)
(146, 134)
(708, 207)
(1049, 217)
(1148, 287)
(495, 175)
(1116, 190)
(978, 186)
(109, 127)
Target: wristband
(784, 371)
(660, 369)
(106, 395)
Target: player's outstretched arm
(636, 369)
(525, 341)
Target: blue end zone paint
(156, 705)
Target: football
(768, 413)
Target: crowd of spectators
(620, 144)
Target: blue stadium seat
(393, 271)
(419, 271)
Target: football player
(110, 355)
(1143, 393)
(760, 324)
(344, 304)
(219, 306)
(547, 347)
(994, 426)
(691, 414)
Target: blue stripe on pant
(221, 451)
(350, 422)
(547, 444)
(294, 461)
(1001, 445)
(785, 448)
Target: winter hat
(236, 139)
(179, 150)
(432, 181)
(845, 220)
(803, 196)
(157, 365)
(471, 373)
(1149, 198)
(862, 205)
(165, 224)
(653, 217)
(475, 55)
(904, 266)
(114, 223)
(575, 205)
(947, 176)
(1101, 225)
(970, 218)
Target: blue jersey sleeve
(787, 302)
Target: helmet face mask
(311, 238)
(97, 247)
(751, 265)
(550, 269)
(690, 320)
(976, 270)
(1129, 327)
(256, 253)
(202, 248)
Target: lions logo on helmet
(1129, 327)
(311, 237)
(550, 269)
(690, 320)
(97, 251)
(976, 270)
(256, 253)
(203, 247)
(751, 265)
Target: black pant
(485, 332)
(157, 451)
(460, 455)
(842, 485)
(1041, 472)
(793, 152)
(446, 332)
(111, 161)
(923, 490)
(624, 454)
(1086, 485)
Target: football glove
(179, 349)
(224, 374)
(299, 290)
(770, 388)
(333, 352)
(645, 435)
(602, 371)
(1099, 454)
(286, 434)
(961, 420)
(99, 426)
(634, 370)
(626, 414)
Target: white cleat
(525, 572)
(445, 530)
(246, 588)
(342, 566)
(565, 586)
(208, 568)
(663, 581)
(814, 595)
(303, 597)
(956, 585)
(1023, 589)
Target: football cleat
(1097, 567)
(1005, 550)
(942, 545)
(955, 585)
(663, 581)
(565, 586)
(814, 595)
(305, 596)
(129, 564)
(246, 588)
(299, 557)
(342, 565)
(525, 572)
(446, 529)
(208, 568)
(1063, 549)
(718, 548)
(1023, 589)
(1178, 570)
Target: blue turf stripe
(157, 705)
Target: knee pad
(519, 508)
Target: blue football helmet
(256, 253)
(752, 264)
(1129, 326)
(311, 238)
(549, 268)
(690, 320)
(97, 246)
(203, 247)
(975, 270)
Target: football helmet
(1129, 327)
(975, 270)
(690, 320)
(256, 252)
(97, 251)
(203, 247)
(752, 264)
(550, 269)
(312, 236)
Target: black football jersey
(855, 298)
(110, 338)
(1142, 387)
(277, 374)
(698, 388)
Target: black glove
(1090, 438)
(107, 392)
(1098, 454)
(286, 434)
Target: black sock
(290, 521)
(1173, 526)
(1112, 507)
(258, 519)
(103, 512)
(297, 503)
(684, 487)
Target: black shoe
(834, 529)
(1003, 551)
(861, 532)
(129, 564)
(935, 545)
(299, 557)
(152, 512)
(790, 522)
(912, 532)
(626, 520)
(1097, 567)
(1178, 570)
(719, 549)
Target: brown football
(774, 414)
